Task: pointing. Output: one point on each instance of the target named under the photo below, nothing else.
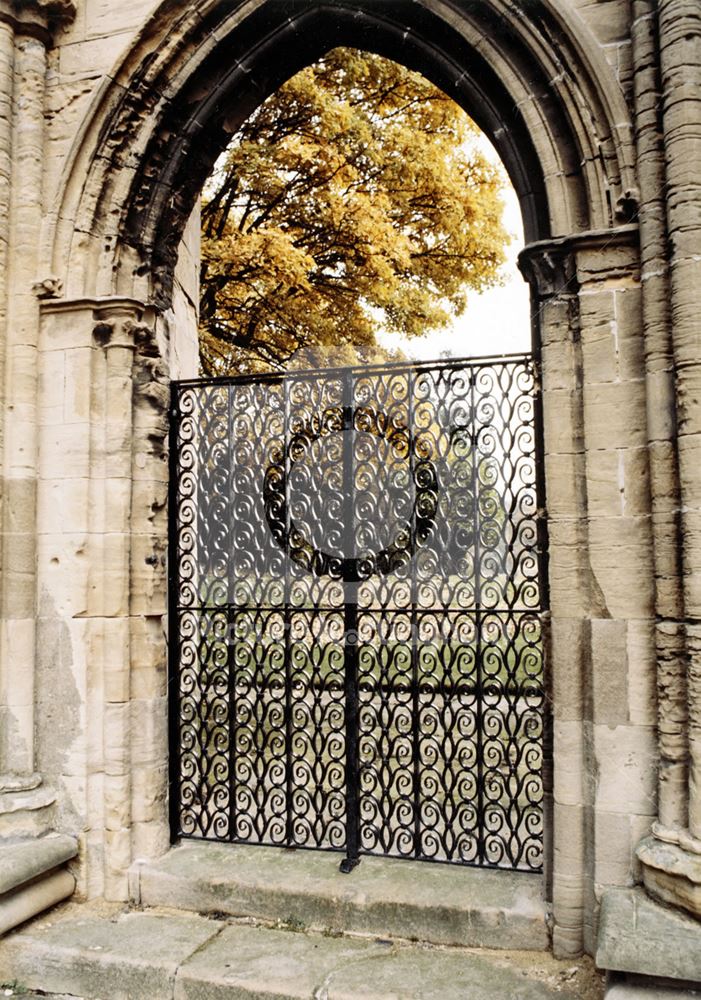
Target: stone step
(438, 904)
(23, 861)
(102, 951)
(33, 876)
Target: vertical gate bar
(231, 615)
(173, 616)
(286, 622)
(350, 644)
(543, 606)
(415, 701)
(541, 499)
(478, 618)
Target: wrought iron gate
(355, 616)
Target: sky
(496, 321)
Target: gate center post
(350, 644)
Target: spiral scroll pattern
(360, 544)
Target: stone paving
(110, 952)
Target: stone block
(561, 422)
(621, 565)
(103, 18)
(568, 598)
(151, 839)
(149, 719)
(19, 504)
(66, 328)
(51, 381)
(149, 793)
(636, 481)
(638, 935)
(614, 265)
(117, 801)
(626, 769)
(661, 408)
(66, 452)
(570, 837)
(558, 357)
(642, 672)
(691, 550)
(614, 415)
(570, 651)
(568, 753)
(690, 461)
(605, 482)
(77, 385)
(614, 849)
(82, 58)
(565, 484)
(630, 332)
(609, 20)
(609, 677)
(63, 506)
(116, 736)
(599, 336)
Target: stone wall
(110, 117)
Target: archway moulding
(538, 85)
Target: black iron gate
(355, 612)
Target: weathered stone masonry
(111, 116)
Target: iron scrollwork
(356, 608)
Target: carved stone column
(25, 33)
(672, 858)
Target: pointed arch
(534, 80)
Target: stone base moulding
(33, 877)
(671, 874)
(642, 937)
(26, 809)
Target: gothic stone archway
(536, 81)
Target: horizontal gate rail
(357, 588)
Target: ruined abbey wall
(110, 116)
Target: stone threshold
(385, 897)
(99, 950)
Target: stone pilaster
(550, 271)
(102, 582)
(587, 309)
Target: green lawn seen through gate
(512, 666)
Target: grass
(512, 668)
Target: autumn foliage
(353, 199)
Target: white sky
(495, 322)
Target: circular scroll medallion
(340, 506)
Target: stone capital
(39, 18)
(122, 323)
(558, 267)
(550, 268)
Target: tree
(353, 199)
